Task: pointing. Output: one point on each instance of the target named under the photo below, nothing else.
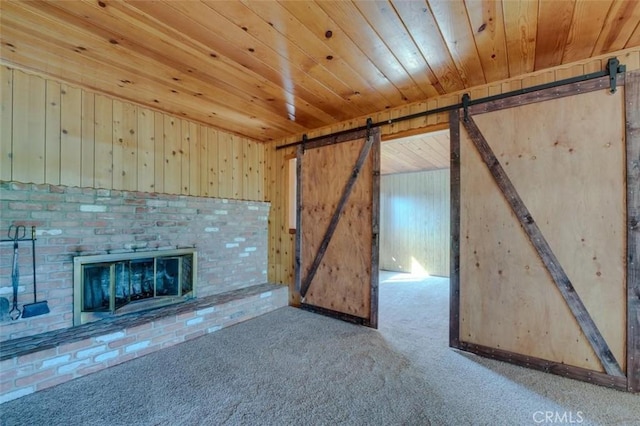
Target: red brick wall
(229, 235)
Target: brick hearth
(33, 363)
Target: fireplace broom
(36, 308)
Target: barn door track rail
(612, 70)
(544, 251)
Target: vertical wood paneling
(194, 159)
(414, 222)
(256, 162)
(260, 172)
(212, 162)
(52, 136)
(71, 138)
(432, 120)
(225, 162)
(185, 157)
(270, 182)
(247, 152)
(278, 205)
(280, 220)
(6, 119)
(236, 166)
(569, 72)
(538, 78)
(130, 147)
(251, 166)
(203, 157)
(631, 60)
(118, 144)
(88, 139)
(29, 128)
(159, 157)
(125, 163)
(172, 148)
(146, 150)
(104, 142)
(511, 85)
(287, 269)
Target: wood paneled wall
(62, 135)
(414, 222)
(281, 242)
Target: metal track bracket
(613, 68)
(465, 105)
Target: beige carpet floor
(292, 367)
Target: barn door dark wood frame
(613, 377)
(370, 150)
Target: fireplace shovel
(36, 308)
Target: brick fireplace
(229, 236)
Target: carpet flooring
(292, 367)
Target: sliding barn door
(540, 234)
(337, 237)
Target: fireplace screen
(111, 284)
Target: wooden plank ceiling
(268, 69)
(428, 151)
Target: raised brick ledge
(30, 364)
(27, 345)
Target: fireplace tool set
(16, 234)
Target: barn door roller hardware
(465, 105)
(613, 67)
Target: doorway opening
(415, 207)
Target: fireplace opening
(115, 284)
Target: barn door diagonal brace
(333, 224)
(544, 251)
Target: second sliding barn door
(540, 241)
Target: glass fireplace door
(142, 281)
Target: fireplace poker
(36, 308)
(15, 233)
